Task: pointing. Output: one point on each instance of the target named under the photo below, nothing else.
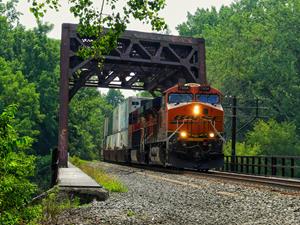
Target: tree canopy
(29, 76)
(253, 52)
(93, 19)
(114, 97)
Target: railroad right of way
(166, 198)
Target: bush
(274, 138)
(54, 204)
(268, 138)
(243, 149)
(15, 170)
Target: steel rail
(254, 179)
(263, 180)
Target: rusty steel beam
(135, 50)
(63, 98)
(141, 61)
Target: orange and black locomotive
(183, 128)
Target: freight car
(182, 128)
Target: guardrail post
(266, 166)
(283, 167)
(232, 163)
(292, 167)
(247, 164)
(242, 164)
(226, 163)
(236, 163)
(274, 166)
(259, 165)
(253, 164)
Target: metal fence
(280, 166)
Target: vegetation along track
(236, 177)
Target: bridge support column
(64, 99)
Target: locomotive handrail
(217, 132)
(168, 138)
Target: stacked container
(116, 125)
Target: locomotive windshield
(179, 98)
(212, 99)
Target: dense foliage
(87, 112)
(268, 138)
(16, 167)
(253, 51)
(93, 19)
(114, 97)
(29, 75)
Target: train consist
(182, 128)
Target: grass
(109, 182)
(53, 205)
(130, 213)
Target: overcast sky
(174, 13)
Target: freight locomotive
(182, 128)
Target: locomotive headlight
(183, 134)
(196, 110)
(211, 135)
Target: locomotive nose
(195, 120)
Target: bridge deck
(74, 177)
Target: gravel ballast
(160, 198)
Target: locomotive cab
(195, 126)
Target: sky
(174, 13)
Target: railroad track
(270, 181)
(262, 180)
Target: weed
(109, 182)
(130, 213)
(53, 205)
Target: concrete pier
(75, 182)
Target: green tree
(8, 9)
(92, 20)
(253, 52)
(268, 138)
(37, 57)
(15, 89)
(15, 170)
(196, 24)
(87, 112)
(6, 38)
(274, 138)
(114, 97)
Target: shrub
(54, 204)
(274, 138)
(16, 168)
(268, 138)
